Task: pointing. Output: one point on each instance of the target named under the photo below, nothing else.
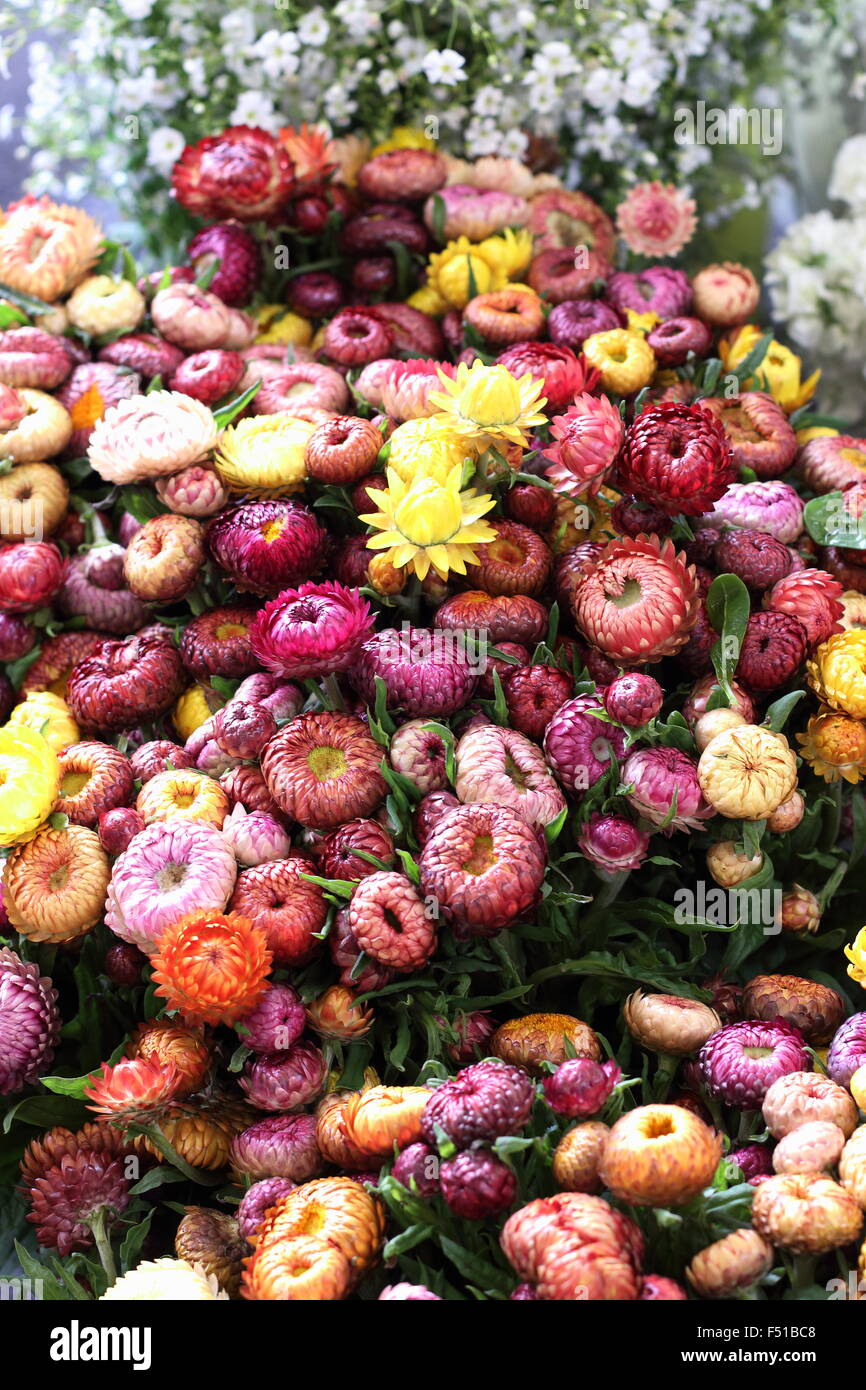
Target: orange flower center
(227, 630)
(88, 408)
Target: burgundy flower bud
(476, 1184)
(579, 1088)
(417, 1168)
(117, 827)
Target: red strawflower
(268, 546)
(757, 557)
(31, 573)
(124, 684)
(425, 674)
(337, 852)
(483, 865)
(533, 694)
(289, 909)
(773, 647)
(677, 457)
(638, 601)
(814, 597)
(417, 1168)
(133, 1090)
(244, 172)
(323, 769)
(311, 631)
(86, 1180)
(633, 699)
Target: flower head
(46, 247)
(430, 525)
(165, 1280)
(664, 788)
(588, 439)
(656, 219)
(133, 1090)
(428, 447)
(29, 1022)
(747, 771)
(29, 782)
(243, 172)
(834, 746)
(638, 601)
(311, 631)
(263, 455)
(488, 404)
(212, 967)
(779, 372)
(151, 436)
(837, 672)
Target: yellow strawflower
(427, 448)
(404, 137)
(165, 1280)
(29, 782)
(779, 373)
(264, 455)
(49, 715)
(856, 954)
(191, 711)
(834, 746)
(430, 524)
(277, 324)
(488, 404)
(837, 672)
(625, 360)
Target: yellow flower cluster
(465, 268)
(29, 781)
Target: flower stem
(746, 1125)
(802, 1272)
(103, 1244)
(664, 1076)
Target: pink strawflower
(588, 439)
(475, 213)
(170, 869)
(612, 843)
(151, 436)
(285, 1080)
(255, 837)
(311, 631)
(408, 1293)
(404, 390)
(257, 1200)
(656, 219)
(563, 375)
(281, 1146)
(658, 776)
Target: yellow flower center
(326, 763)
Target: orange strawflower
(212, 966)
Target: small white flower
(848, 179)
(136, 9)
(314, 29)
(444, 67)
(255, 109)
(164, 147)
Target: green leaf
(553, 829)
(32, 306)
(156, 1177)
(206, 278)
(728, 610)
(229, 412)
(130, 1247)
(45, 1112)
(437, 217)
(410, 868)
(750, 363)
(778, 712)
(407, 1240)
(500, 708)
(829, 522)
(478, 1271)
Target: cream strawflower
(163, 1281)
(747, 772)
(151, 436)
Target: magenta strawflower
(612, 843)
(664, 788)
(285, 1080)
(425, 673)
(579, 746)
(257, 1200)
(281, 1146)
(408, 1293)
(848, 1049)
(633, 699)
(483, 1101)
(29, 1022)
(276, 1023)
(741, 1061)
(753, 1160)
(658, 290)
(476, 1184)
(588, 439)
(311, 631)
(579, 1087)
(267, 546)
(417, 1168)
(656, 219)
(563, 376)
